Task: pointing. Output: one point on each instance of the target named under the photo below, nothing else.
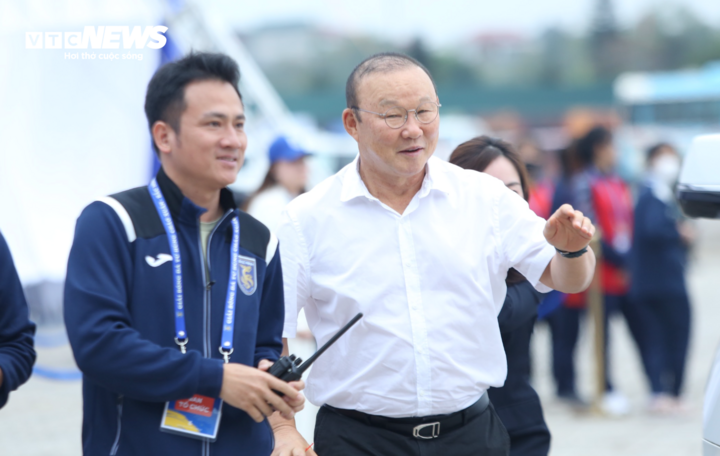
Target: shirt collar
(435, 179)
(352, 184)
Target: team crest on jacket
(247, 274)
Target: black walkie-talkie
(290, 369)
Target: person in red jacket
(603, 196)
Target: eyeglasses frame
(407, 114)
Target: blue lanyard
(226, 342)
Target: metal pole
(596, 308)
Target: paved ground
(640, 433)
(44, 416)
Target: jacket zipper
(206, 298)
(116, 444)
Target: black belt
(426, 427)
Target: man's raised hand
(568, 230)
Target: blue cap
(281, 149)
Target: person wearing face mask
(516, 402)
(286, 179)
(659, 255)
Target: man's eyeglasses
(396, 117)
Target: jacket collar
(181, 208)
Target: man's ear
(164, 136)
(350, 122)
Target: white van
(698, 192)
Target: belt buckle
(435, 430)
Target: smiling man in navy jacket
(156, 277)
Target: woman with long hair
(285, 179)
(517, 403)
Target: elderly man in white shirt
(422, 248)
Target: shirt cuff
(536, 270)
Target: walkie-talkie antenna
(301, 368)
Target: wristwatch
(566, 254)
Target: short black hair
(587, 145)
(165, 97)
(383, 62)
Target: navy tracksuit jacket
(119, 313)
(17, 355)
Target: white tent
(72, 130)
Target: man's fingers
(283, 387)
(588, 227)
(297, 406)
(255, 414)
(299, 385)
(299, 400)
(279, 404)
(264, 365)
(550, 228)
(264, 407)
(577, 219)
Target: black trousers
(668, 335)
(565, 324)
(564, 327)
(636, 320)
(339, 435)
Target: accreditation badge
(197, 417)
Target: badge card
(197, 417)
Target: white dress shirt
(430, 282)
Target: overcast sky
(442, 21)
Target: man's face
(402, 152)
(210, 147)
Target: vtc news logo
(102, 37)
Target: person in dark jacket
(658, 260)
(517, 403)
(155, 277)
(17, 354)
(564, 322)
